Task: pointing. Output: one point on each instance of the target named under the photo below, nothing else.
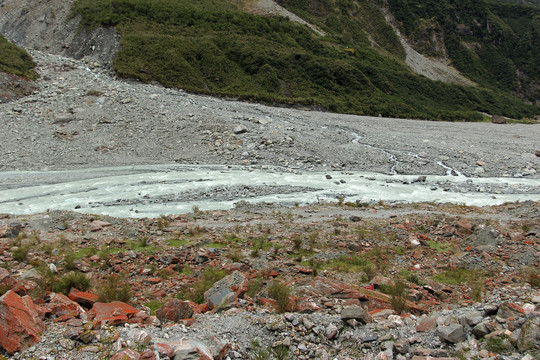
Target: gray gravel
(82, 116)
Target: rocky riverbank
(82, 116)
(263, 282)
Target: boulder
(401, 346)
(83, 298)
(498, 119)
(175, 310)
(65, 309)
(127, 354)
(139, 337)
(427, 323)
(20, 323)
(510, 310)
(190, 349)
(357, 313)
(114, 313)
(9, 282)
(240, 129)
(452, 333)
(224, 293)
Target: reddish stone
(113, 313)
(199, 308)
(148, 355)
(9, 282)
(128, 354)
(165, 350)
(20, 322)
(273, 273)
(426, 324)
(187, 322)
(159, 293)
(304, 270)
(466, 224)
(265, 301)
(175, 310)
(306, 306)
(84, 298)
(64, 308)
(140, 317)
(153, 280)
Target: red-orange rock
(113, 313)
(20, 322)
(127, 354)
(65, 309)
(148, 355)
(175, 310)
(165, 350)
(83, 298)
(9, 282)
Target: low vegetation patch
(75, 280)
(282, 294)
(114, 288)
(457, 276)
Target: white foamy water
(150, 191)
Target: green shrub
(398, 292)
(114, 288)
(15, 60)
(75, 280)
(254, 286)
(21, 253)
(281, 293)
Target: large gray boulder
(452, 333)
(224, 293)
(357, 313)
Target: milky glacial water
(151, 191)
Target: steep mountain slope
(345, 57)
(495, 44)
(218, 48)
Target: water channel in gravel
(154, 190)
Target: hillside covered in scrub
(355, 63)
(14, 60)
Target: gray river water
(151, 191)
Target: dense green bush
(14, 60)
(215, 48)
(75, 280)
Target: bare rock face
(47, 26)
(20, 323)
(175, 310)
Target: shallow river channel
(151, 191)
